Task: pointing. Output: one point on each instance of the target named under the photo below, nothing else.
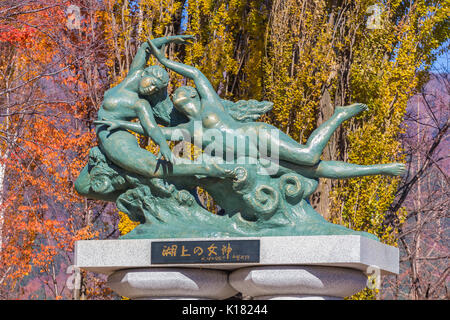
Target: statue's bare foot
(394, 169)
(352, 110)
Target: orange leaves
(85, 233)
(44, 145)
(15, 35)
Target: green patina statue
(259, 176)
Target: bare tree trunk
(5, 154)
(320, 198)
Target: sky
(442, 62)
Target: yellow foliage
(299, 62)
(126, 224)
(289, 52)
(384, 74)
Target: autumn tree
(48, 100)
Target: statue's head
(187, 101)
(153, 79)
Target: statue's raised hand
(166, 153)
(183, 39)
(158, 53)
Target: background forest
(307, 56)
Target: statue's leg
(122, 148)
(84, 188)
(309, 154)
(320, 137)
(344, 170)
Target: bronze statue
(255, 201)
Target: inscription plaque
(205, 251)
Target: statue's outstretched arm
(140, 59)
(143, 53)
(177, 133)
(202, 84)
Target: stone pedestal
(171, 283)
(309, 267)
(298, 282)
